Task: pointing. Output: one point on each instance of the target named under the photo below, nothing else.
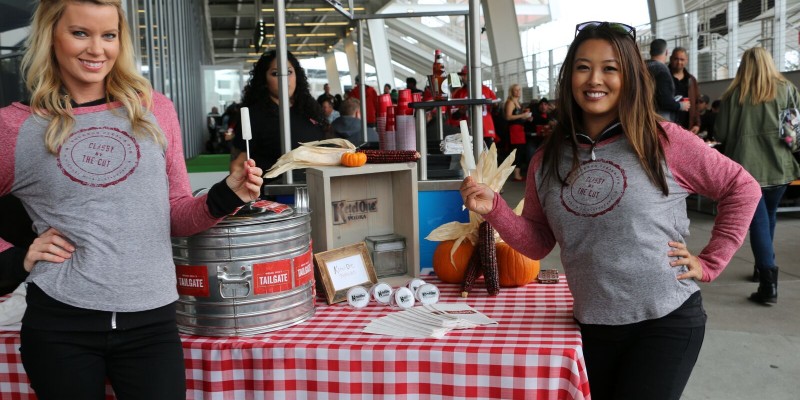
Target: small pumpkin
(356, 159)
(514, 268)
(446, 270)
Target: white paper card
(347, 272)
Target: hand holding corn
(477, 197)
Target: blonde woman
(747, 127)
(516, 117)
(96, 158)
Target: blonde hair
(756, 77)
(511, 90)
(123, 83)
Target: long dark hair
(302, 102)
(637, 114)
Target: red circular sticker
(99, 156)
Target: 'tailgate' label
(192, 280)
(272, 277)
(303, 269)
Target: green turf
(209, 163)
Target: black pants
(647, 360)
(141, 363)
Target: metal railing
(715, 36)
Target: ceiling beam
(433, 39)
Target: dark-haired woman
(307, 122)
(610, 189)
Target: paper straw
(247, 133)
(469, 158)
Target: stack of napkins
(428, 321)
(451, 144)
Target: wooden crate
(349, 204)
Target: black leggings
(647, 360)
(140, 363)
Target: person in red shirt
(458, 113)
(372, 101)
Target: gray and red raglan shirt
(613, 225)
(117, 197)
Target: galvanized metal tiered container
(249, 274)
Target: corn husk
(488, 172)
(310, 155)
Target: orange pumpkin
(514, 268)
(444, 268)
(354, 159)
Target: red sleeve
(488, 93)
(703, 170)
(188, 214)
(529, 233)
(11, 118)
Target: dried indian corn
(488, 258)
(390, 156)
(472, 273)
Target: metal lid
(357, 297)
(381, 292)
(258, 212)
(427, 294)
(403, 298)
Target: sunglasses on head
(614, 26)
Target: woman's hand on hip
(477, 197)
(246, 182)
(50, 246)
(692, 263)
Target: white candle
(247, 133)
(469, 159)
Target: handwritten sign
(347, 272)
(340, 269)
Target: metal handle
(301, 205)
(234, 286)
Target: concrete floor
(750, 351)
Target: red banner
(192, 280)
(303, 269)
(271, 277)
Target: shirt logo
(597, 187)
(99, 156)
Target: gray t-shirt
(115, 196)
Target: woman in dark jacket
(306, 119)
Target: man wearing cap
(372, 101)
(686, 87)
(458, 113)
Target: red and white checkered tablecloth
(533, 353)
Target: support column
(379, 44)
(733, 38)
(332, 72)
(694, 37)
(475, 79)
(779, 35)
(352, 57)
(660, 10)
(502, 30)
